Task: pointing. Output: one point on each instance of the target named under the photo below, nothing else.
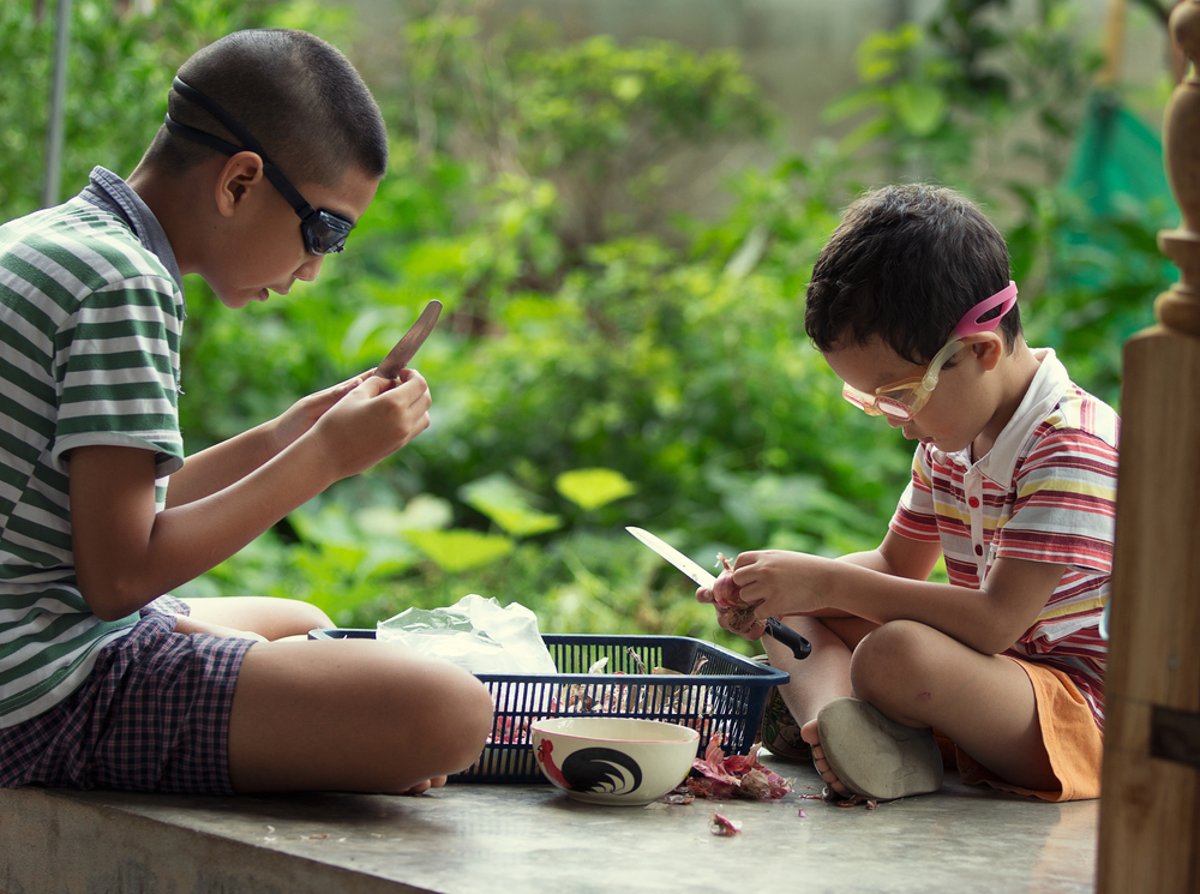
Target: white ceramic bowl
(613, 760)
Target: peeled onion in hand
(725, 591)
(728, 598)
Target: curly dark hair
(905, 263)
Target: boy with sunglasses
(272, 149)
(1013, 485)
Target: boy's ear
(239, 174)
(988, 348)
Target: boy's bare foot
(422, 787)
(862, 752)
(811, 734)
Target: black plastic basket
(712, 689)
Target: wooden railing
(1150, 807)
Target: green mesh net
(1119, 199)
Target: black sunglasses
(324, 232)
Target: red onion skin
(728, 598)
(725, 592)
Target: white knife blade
(798, 644)
(692, 569)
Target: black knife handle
(799, 645)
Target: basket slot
(682, 655)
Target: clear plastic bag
(475, 633)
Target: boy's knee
(304, 616)
(464, 720)
(893, 653)
(477, 709)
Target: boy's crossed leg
(352, 715)
(344, 715)
(266, 616)
(922, 678)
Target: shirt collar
(1050, 384)
(109, 192)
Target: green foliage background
(602, 363)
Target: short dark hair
(296, 94)
(905, 263)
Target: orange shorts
(1073, 741)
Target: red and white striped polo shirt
(1045, 492)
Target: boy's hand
(741, 621)
(372, 421)
(304, 413)
(777, 582)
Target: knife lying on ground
(798, 644)
(405, 349)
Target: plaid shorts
(153, 716)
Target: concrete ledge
(472, 839)
(83, 842)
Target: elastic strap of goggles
(272, 172)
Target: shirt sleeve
(915, 517)
(1065, 505)
(117, 369)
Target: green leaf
(422, 513)
(593, 488)
(326, 526)
(920, 107)
(628, 88)
(855, 102)
(497, 497)
(460, 550)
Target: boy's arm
(127, 554)
(219, 466)
(989, 620)
(900, 556)
(897, 555)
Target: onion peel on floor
(721, 776)
(723, 826)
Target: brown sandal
(779, 732)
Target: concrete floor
(479, 838)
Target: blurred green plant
(119, 65)
(600, 361)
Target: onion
(725, 591)
(728, 598)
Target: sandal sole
(876, 757)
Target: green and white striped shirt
(90, 320)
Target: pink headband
(970, 323)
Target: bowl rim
(688, 735)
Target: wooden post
(1150, 809)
